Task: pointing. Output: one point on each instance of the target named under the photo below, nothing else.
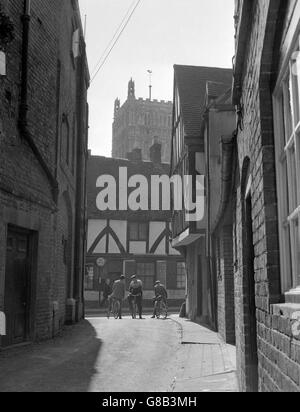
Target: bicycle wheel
(116, 309)
(163, 310)
(133, 309)
(108, 309)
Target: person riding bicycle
(118, 293)
(136, 293)
(161, 295)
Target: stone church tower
(140, 122)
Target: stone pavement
(206, 363)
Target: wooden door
(17, 287)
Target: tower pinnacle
(131, 89)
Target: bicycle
(133, 304)
(161, 308)
(114, 307)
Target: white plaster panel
(155, 230)
(95, 227)
(120, 229)
(138, 248)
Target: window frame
(181, 277)
(286, 106)
(139, 237)
(147, 287)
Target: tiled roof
(215, 90)
(192, 82)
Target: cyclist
(161, 295)
(118, 293)
(136, 292)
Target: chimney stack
(135, 155)
(155, 151)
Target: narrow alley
(101, 355)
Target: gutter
(23, 112)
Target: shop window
(146, 273)
(181, 275)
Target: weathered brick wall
(279, 352)
(26, 198)
(256, 157)
(226, 320)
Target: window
(89, 278)
(287, 116)
(138, 232)
(161, 268)
(181, 275)
(146, 273)
(76, 43)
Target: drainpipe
(208, 245)
(80, 214)
(23, 112)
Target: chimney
(135, 155)
(155, 151)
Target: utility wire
(116, 40)
(113, 38)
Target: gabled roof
(192, 87)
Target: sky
(160, 34)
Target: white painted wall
(138, 248)
(95, 227)
(120, 229)
(155, 230)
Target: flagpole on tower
(150, 84)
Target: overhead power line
(115, 39)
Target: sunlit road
(98, 355)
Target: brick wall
(26, 198)
(226, 322)
(278, 352)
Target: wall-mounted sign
(101, 262)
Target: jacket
(160, 290)
(119, 290)
(136, 289)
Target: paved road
(97, 355)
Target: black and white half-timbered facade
(130, 242)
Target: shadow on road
(65, 364)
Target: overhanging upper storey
(190, 90)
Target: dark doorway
(250, 270)
(17, 286)
(199, 288)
